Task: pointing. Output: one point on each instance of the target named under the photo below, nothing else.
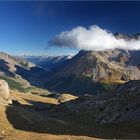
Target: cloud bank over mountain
(92, 38)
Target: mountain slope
(118, 106)
(117, 111)
(90, 68)
(23, 71)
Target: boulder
(4, 93)
(66, 97)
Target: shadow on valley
(39, 106)
(34, 75)
(37, 118)
(5, 68)
(78, 85)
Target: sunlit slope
(86, 71)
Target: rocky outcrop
(66, 97)
(4, 93)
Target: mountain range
(88, 71)
(94, 94)
(47, 62)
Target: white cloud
(93, 38)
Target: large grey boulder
(4, 93)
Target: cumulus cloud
(92, 38)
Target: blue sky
(26, 27)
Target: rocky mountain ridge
(127, 37)
(85, 73)
(95, 67)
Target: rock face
(4, 93)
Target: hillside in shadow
(36, 118)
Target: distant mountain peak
(48, 62)
(127, 37)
